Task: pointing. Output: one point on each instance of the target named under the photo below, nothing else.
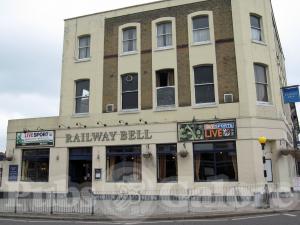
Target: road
(272, 219)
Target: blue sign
(291, 94)
(13, 173)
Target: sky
(31, 43)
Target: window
(261, 81)
(130, 98)
(201, 31)
(123, 164)
(129, 40)
(165, 88)
(215, 161)
(35, 165)
(164, 34)
(204, 84)
(84, 47)
(166, 163)
(82, 96)
(256, 28)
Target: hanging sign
(35, 138)
(201, 131)
(291, 94)
(13, 173)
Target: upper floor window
(256, 30)
(165, 88)
(82, 96)
(261, 81)
(130, 99)
(164, 34)
(204, 84)
(84, 47)
(201, 31)
(129, 40)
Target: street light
(263, 140)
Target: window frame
(199, 29)
(131, 91)
(81, 97)
(128, 40)
(164, 35)
(84, 47)
(260, 29)
(204, 84)
(267, 85)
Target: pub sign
(35, 138)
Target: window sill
(129, 111)
(267, 104)
(80, 115)
(165, 108)
(128, 53)
(163, 48)
(82, 60)
(259, 42)
(205, 105)
(201, 43)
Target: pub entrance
(80, 168)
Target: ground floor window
(123, 164)
(167, 163)
(215, 161)
(35, 165)
(298, 168)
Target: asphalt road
(272, 219)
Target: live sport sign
(35, 138)
(212, 130)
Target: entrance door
(80, 168)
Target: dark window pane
(200, 22)
(82, 88)
(204, 74)
(260, 74)
(84, 41)
(204, 147)
(129, 82)
(205, 94)
(130, 100)
(255, 21)
(82, 105)
(262, 92)
(166, 96)
(226, 166)
(164, 78)
(166, 163)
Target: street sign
(291, 94)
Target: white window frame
(269, 102)
(155, 24)
(122, 92)
(83, 47)
(80, 97)
(199, 29)
(260, 29)
(164, 35)
(128, 40)
(123, 27)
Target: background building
(168, 94)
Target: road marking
(291, 215)
(254, 217)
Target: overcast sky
(31, 48)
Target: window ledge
(165, 108)
(164, 48)
(129, 53)
(129, 111)
(259, 42)
(80, 115)
(82, 60)
(201, 43)
(205, 105)
(267, 104)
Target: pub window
(82, 96)
(215, 161)
(130, 92)
(167, 163)
(165, 88)
(261, 82)
(204, 84)
(164, 34)
(84, 47)
(201, 31)
(123, 164)
(129, 40)
(256, 30)
(35, 165)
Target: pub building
(170, 94)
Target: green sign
(201, 131)
(35, 138)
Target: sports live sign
(201, 131)
(35, 138)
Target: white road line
(291, 215)
(254, 217)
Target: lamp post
(263, 140)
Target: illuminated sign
(35, 138)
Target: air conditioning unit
(228, 98)
(110, 108)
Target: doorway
(80, 168)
